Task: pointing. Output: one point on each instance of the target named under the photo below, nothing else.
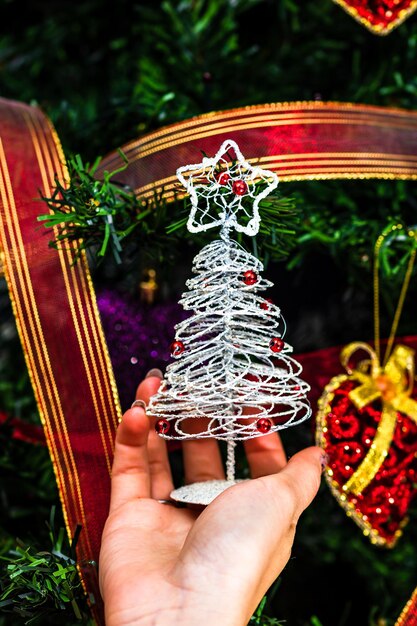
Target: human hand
(161, 565)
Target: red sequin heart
(379, 16)
(346, 434)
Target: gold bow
(393, 383)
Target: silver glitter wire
(228, 377)
(213, 199)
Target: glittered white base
(202, 493)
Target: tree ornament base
(202, 493)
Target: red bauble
(250, 278)
(380, 16)
(240, 188)
(346, 434)
(162, 427)
(222, 178)
(276, 344)
(264, 425)
(177, 348)
(265, 306)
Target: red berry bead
(222, 178)
(162, 427)
(240, 188)
(250, 278)
(264, 425)
(276, 344)
(265, 305)
(177, 348)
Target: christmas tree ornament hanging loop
(400, 232)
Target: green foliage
(103, 218)
(343, 220)
(260, 616)
(16, 396)
(260, 619)
(191, 38)
(27, 486)
(26, 482)
(43, 585)
(92, 213)
(157, 62)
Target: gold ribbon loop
(393, 384)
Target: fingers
(130, 473)
(149, 386)
(158, 461)
(252, 525)
(202, 459)
(290, 492)
(266, 455)
(299, 481)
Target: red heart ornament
(379, 16)
(346, 433)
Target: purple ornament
(138, 338)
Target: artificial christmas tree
(233, 378)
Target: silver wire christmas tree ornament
(233, 377)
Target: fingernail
(139, 403)
(324, 460)
(155, 372)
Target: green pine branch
(94, 214)
(259, 618)
(102, 217)
(39, 586)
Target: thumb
(303, 475)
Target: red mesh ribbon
(299, 141)
(54, 302)
(60, 332)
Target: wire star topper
(227, 184)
